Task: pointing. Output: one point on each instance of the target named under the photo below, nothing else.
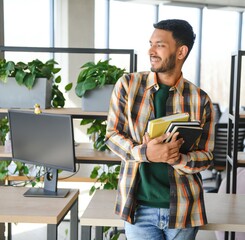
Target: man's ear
(182, 52)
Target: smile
(155, 59)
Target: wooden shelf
(74, 112)
(84, 153)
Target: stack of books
(190, 131)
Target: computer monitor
(43, 140)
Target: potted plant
(95, 84)
(26, 76)
(22, 84)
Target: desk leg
(74, 221)
(52, 232)
(86, 233)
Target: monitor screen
(42, 139)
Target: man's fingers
(161, 138)
(175, 137)
(180, 141)
(146, 138)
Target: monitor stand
(50, 187)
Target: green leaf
(51, 62)
(95, 172)
(89, 84)
(20, 74)
(105, 229)
(88, 64)
(58, 79)
(86, 121)
(21, 66)
(33, 184)
(46, 71)
(68, 87)
(79, 90)
(92, 189)
(29, 80)
(56, 70)
(18, 165)
(116, 236)
(25, 170)
(10, 66)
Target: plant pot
(97, 100)
(12, 95)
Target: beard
(168, 65)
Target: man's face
(162, 51)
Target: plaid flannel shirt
(131, 108)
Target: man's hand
(158, 151)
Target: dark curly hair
(181, 30)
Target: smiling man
(160, 194)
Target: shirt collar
(152, 82)
(179, 86)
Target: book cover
(157, 127)
(189, 133)
(194, 123)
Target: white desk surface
(225, 212)
(17, 208)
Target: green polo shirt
(153, 189)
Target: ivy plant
(106, 177)
(96, 131)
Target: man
(160, 194)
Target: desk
(15, 208)
(225, 212)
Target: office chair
(220, 152)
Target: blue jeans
(152, 224)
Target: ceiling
(228, 4)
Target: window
(131, 25)
(220, 39)
(27, 24)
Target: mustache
(155, 57)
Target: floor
(38, 231)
